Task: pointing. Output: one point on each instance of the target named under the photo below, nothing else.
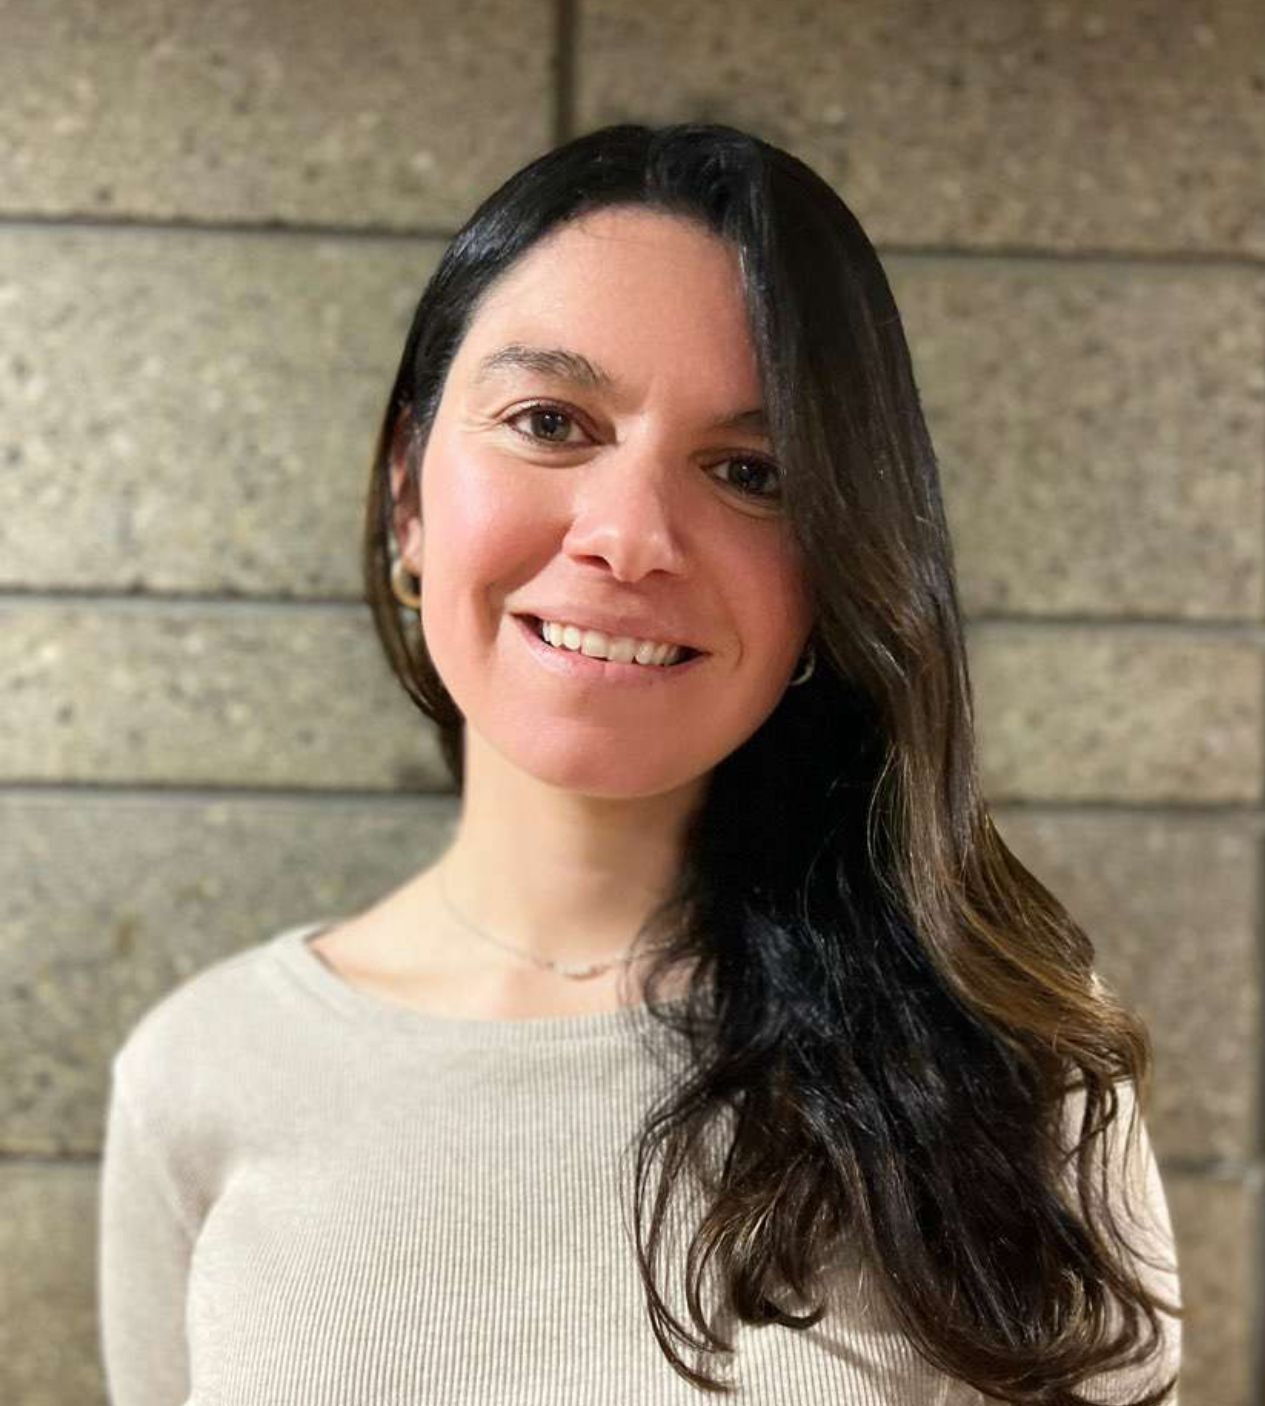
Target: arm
(142, 1267)
(1140, 1206)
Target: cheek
(457, 501)
(775, 599)
(469, 514)
(481, 537)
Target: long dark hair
(886, 1010)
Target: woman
(655, 537)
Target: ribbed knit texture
(310, 1195)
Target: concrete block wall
(214, 223)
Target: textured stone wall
(214, 223)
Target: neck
(554, 873)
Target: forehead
(640, 292)
(623, 236)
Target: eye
(542, 411)
(764, 469)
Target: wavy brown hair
(886, 1010)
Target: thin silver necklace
(574, 971)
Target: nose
(625, 510)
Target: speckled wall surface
(214, 223)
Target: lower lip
(572, 664)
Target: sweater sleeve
(144, 1249)
(1138, 1201)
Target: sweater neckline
(291, 948)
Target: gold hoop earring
(806, 672)
(399, 585)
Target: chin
(602, 771)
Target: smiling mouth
(534, 622)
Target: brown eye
(752, 472)
(547, 417)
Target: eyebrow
(563, 365)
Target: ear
(411, 545)
(405, 500)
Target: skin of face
(644, 506)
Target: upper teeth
(621, 650)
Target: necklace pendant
(578, 971)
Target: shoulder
(1127, 1171)
(1123, 1144)
(1123, 1157)
(195, 1030)
(183, 1069)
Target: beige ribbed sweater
(312, 1196)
